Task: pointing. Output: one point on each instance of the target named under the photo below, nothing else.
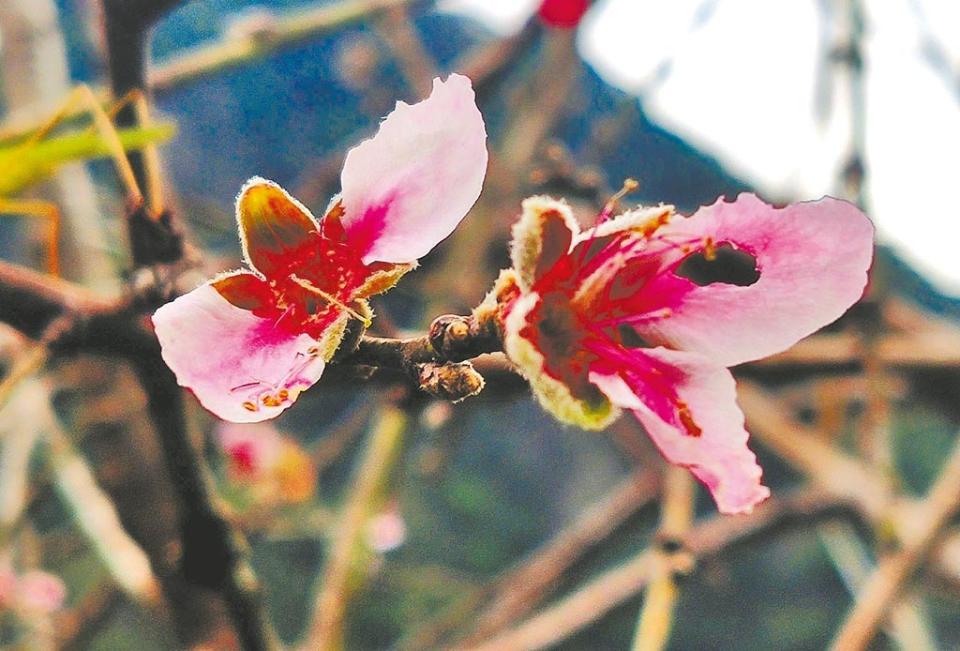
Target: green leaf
(22, 166)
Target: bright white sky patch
(503, 16)
(744, 82)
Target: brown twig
(326, 631)
(401, 36)
(909, 626)
(591, 601)
(669, 560)
(520, 590)
(30, 302)
(436, 361)
(268, 35)
(126, 26)
(884, 586)
(938, 348)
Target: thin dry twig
(935, 348)
(719, 533)
(266, 35)
(326, 631)
(22, 368)
(669, 559)
(909, 625)
(518, 591)
(884, 586)
(401, 36)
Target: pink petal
(41, 592)
(709, 438)
(408, 187)
(812, 258)
(230, 358)
(386, 531)
(8, 585)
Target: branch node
(153, 239)
(450, 381)
(458, 338)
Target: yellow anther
(249, 406)
(629, 185)
(653, 224)
(709, 249)
(686, 419)
(271, 400)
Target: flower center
(558, 332)
(317, 288)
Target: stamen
(652, 225)
(245, 387)
(285, 313)
(654, 315)
(310, 287)
(709, 249)
(629, 185)
(686, 419)
(271, 400)
(249, 406)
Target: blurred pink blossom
(386, 531)
(563, 13)
(33, 592)
(41, 592)
(8, 585)
(273, 466)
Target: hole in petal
(724, 264)
(629, 337)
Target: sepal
(541, 236)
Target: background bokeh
(488, 522)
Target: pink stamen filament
(634, 319)
(629, 185)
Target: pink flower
(274, 467)
(601, 320)
(386, 531)
(248, 342)
(8, 585)
(563, 13)
(33, 592)
(251, 448)
(41, 592)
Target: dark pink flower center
(318, 283)
(559, 333)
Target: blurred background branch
(507, 531)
